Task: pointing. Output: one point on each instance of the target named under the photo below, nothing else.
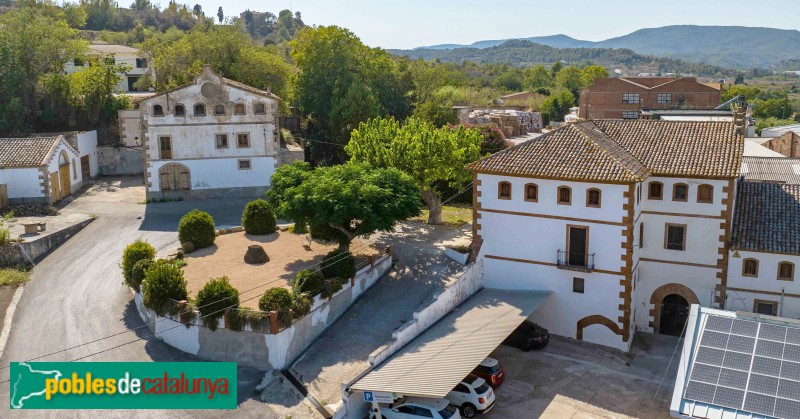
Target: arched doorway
(674, 313)
(174, 177)
(64, 185)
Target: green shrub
(258, 321)
(301, 305)
(11, 276)
(275, 299)
(308, 281)
(133, 253)
(339, 264)
(326, 232)
(333, 285)
(258, 218)
(212, 300)
(298, 228)
(197, 227)
(137, 273)
(163, 282)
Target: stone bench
(34, 228)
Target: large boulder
(255, 255)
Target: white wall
(74, 164)
(130, 127)
(219, 173)
(765, 281)
(22, 182)
(87, 145)
(125, 58)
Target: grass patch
(452, 215)
(9, 276)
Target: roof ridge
(603, 147)
(633, 82)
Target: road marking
(9, 316)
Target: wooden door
(165, 147)
(55, 194)
(174, 177)
(85, 172)
(66, 186)
(3, 195)
(578, 237)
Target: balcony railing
(575, 261)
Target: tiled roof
(620, 151)
(26, 152)
(70, 136)
(771, 169)
(766, 218)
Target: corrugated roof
(433, 363)
(766, 218)
(752, 148)
(26, 152)
(771, 169)
(620, 151)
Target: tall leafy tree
(220, 14)
(590, 73)
(429, 155)
(570, 79)
(354, 199)
(537, 77)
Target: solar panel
(745, 328)
(737, 361)
(769, 348)
(741, 344)
(705, 373)
(789, 389)
(719, 324)
(791, 352)
(787, 408)
(759, 403)
(793, 336)
(772, 332)
(763, 384)
(715, 340)
(700, 392)
(712, 356)
(790, 370)
(733, 378)
(767, 366)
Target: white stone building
(46, 168)
(139, 66)
(626, 222)
(213, 137)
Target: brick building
(627, 97)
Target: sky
(412, 23)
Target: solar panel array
(747, 365)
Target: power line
(341, 257)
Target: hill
(526, 53)
(729, 46)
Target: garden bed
(286, 253)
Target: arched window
(504, 190)
(180, 110)
(531, 192)
(655, 190)
(259, 109)
(593, 198)
(564, 195)
(680, 192)
(158, 110)
(238, 109)
(705, 194)
(199, 109)
(786, 271)
(219, 110)
(750, 267)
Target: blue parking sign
(368, 396)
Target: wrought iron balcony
(575, 261)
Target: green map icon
(27, 383)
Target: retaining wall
(262, 350)
(25, 253)
(119, 161)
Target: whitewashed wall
(74, 164)
(87, 146)
(767, 281)
(23, 182)
(220, 173)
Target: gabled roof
(766, 218)
(620, 151)
(771, 169)
(112, 49)
(70, 136)
(27, 152)
(207, 72)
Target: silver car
(418, 407)
(472, 395)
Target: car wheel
(525, 346)
(468, 411)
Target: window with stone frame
(221, 140)
(786, 271)
(750, 267)
(680, 192)
(504, 190)
(593, 198)
(564, 195)
(705, 194)
(655, 190)
(675, 237)
(242, 140)
(531, 192)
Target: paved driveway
(76, 295)
(421, 268)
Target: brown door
(578, 238)
(55, 194)
(85, 172)
(3, 195)
(174, 177)
(66, 186)
(165, 146)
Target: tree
(354, 199)
(429, 155)
(536, 77)
(198, 10)
(555, 68)
(570, 78)
(557, 105)
(92, 91)
(590, 73)
(220, 14)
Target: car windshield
(448, 411)
(489, 370)
(482, 389)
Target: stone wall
(119, 161)
(262, 350)
(25, 253)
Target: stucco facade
(210, 138)
(123, 55)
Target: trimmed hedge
(275, 299)
(163, 282)
(339, 264)
(133, 253)
(137, 273)
(258, 218)
(212, 300)
(197, 227)
(308, 281)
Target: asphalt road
(76, 296)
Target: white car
(418, 407)
(472, 395)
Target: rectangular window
(630, 115)
(664, 98)
(243, 140)
(770, 308)
(77, 62)
(641, 235)
(244, 164)
(675, 237)
(141, 63)
(630, 98)
(577, 285)
(222, 140)
(165, 147)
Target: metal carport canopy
(433, 363)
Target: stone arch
(596, 319)
(663, 291)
